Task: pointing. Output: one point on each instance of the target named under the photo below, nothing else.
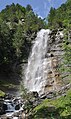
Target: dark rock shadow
(49, 113)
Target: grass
(54, 109)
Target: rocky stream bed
(14, 107)
(11, 107)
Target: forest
(19, 26)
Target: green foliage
(18, 27)
(51, 16)
(6, 49)
(65, 66)
(29, 8)
(2, 94)
(24, 92)
(27, 97)
(61, 17)
(59, 108)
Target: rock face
(42, 73)
(54, 53)
(1, 107)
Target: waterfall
(36, 71)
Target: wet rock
(48, 95)
(35, 94)
(8, 96)
(5, 107)
(17, 107)
(3, 117)
(15, 117)
(1, 107)
(54, 31)
(43, 96)
(51, 95)
(23, 116)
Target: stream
(12, 108)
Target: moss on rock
(2, 94)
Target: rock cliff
(54, 55)
(42, 72)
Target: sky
(40, 7)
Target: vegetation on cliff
(18, 27)
(59, 108)
(60, 17)
(2, 94)
(65, 65)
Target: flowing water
(36, 71)
(11, 107)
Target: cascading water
(36, 71)
(11, 107)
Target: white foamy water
(36, 71)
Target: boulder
(3, 107)
(35, 94)
(17, 107)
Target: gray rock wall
(54, 55)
